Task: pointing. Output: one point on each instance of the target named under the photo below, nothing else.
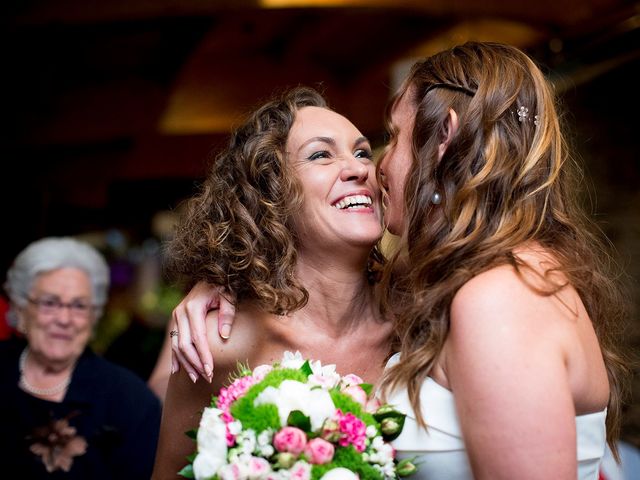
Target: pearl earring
(436, 198)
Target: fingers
(198, 330)
(183, 347)
(175, 365)
(226, 315)
(178, 359)
(192, 351)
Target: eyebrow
(331, 141)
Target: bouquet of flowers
(296, 420)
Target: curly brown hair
(505, 180)
(237, 231)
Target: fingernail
(225, 331)
(193, 377)
(207, 370)
(173, 369)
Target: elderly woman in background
(68, 410)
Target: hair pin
(523, 115)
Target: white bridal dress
(440, 450)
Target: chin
(394, 227)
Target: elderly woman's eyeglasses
(51, 306)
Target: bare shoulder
(249, 331)
(516, 304)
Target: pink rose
(351, 379)
(319, 451)
(357, 393)
(372, 406)
(290, 439)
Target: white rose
(206, 465)
(212, 433)
(292, 395)
(340, 473)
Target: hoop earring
(436, 198)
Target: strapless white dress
(440, 450)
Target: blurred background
(111, 110)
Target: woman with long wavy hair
(507, 314)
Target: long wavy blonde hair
(506, 179)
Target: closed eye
(318, 155)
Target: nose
(354, 169)
(64, 315)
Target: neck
(340, 297)
(44, 367)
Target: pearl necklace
(43, 392)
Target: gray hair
(52, 253)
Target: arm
(190, 347)
(506, 363)
(159, 377)
(181, 412)
(185, 399)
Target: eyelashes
(364, 153)
(319, 155)
(359, 153)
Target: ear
(450, 129)
(19, 315)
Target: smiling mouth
(354, 202)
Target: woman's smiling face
(59, 316)
(333, 162)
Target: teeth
(354, 201)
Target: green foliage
(192, 434)
(367, 387)
(306, 368)
(347, 457)
(261, 417)
(187, 472)
(300, 420)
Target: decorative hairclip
(523, 114)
